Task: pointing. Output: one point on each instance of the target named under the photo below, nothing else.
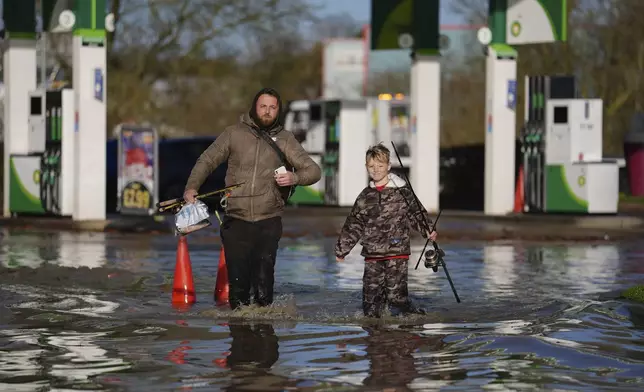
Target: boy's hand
(339, 259)
(432, 236)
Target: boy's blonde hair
(379, 153)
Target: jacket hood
(394, 182)
(253, 112)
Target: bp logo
(36, 176)
(581, 180)
(515, 29)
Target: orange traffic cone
(183, 289)
(221, 287)
(518, 193)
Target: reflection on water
(39, 359)
(588, 268)
(556, 352)
(83, 304)
(391, 359)
(254, 345)
(499, 269)
(581, 269)
(572, 349)
(254, 349)
(64, 249)
(531, 318)
(81, 250)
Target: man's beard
(266, 121)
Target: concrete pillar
(89, 79)
(19, 64)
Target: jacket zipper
(252, 184)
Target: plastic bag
(192, 217)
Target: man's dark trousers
(251, 249)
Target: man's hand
(339, 259)
(286, 179)
(189, 196)
(432, 236)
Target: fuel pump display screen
(36, 106)
(560, 115)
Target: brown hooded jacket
(252, 160)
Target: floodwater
(91, 312)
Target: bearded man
(252, 226)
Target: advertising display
(137, 170)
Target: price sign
(138, 170)
(136, 196)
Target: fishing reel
(433, 257)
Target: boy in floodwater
(381, 218)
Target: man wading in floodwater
(252, 226)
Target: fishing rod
(179, 201)
(434, 258)
(433, 229)
(424, 221)
(439, 252)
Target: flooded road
(91, 312)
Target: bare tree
(474, 11)
(171, 60)
(336, 26)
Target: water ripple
(38, 358)
(91, 312)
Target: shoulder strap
(286, 192)
(275, 147)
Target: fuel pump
(42, 180)
(334, 134)
(330, 160)
(565, 171)
(539, 90)
(51, 159)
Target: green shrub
(635, 293)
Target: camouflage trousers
(385, 283)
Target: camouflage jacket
(381, 221)
(252, 160)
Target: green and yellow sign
(88, 22)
